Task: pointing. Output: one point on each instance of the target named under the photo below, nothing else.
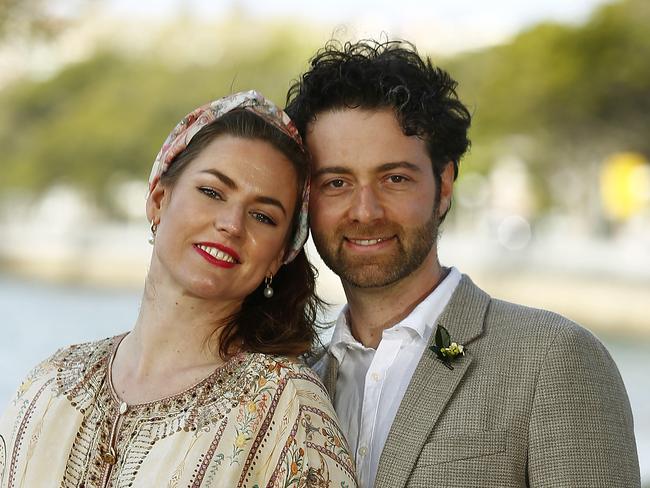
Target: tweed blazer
(535, 402)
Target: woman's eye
(211, 192)
(265, 219)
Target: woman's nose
(230, 219)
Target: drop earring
(268, 290)
(154, 228)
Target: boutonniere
(445, 349)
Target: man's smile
(369, 242)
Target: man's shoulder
(513, 324)
(516, 324)
(515, 314)
(504, 311)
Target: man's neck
(373, 310)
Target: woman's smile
(217, 254)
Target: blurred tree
(562, 95)
(105, 118)
(555, 96)
(35, 18)
(582, 90)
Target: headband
(192, 123)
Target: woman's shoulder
(80, 356)
(58, 374)
(291, 374)
(68, 365)
(79, 363)
(289, 367)
(316, 450)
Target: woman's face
(223, 225)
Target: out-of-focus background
(552, 206)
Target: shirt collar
(420, 321)
(342, 336)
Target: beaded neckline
(228, 367)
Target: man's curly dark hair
(373, 75)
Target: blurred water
(37, 318)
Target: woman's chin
(213, 291)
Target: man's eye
(396, 178)
(337, 183)
(265, 219)
(211, 192)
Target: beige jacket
(536, 401)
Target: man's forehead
(354, 139)
(378, 168)
(353, 116)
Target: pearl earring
(154, 228)
(268, 290)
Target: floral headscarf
(192, 123)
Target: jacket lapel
(431, 387)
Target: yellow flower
(252, 407)
(444, 348)
(240, 440)
(262, 381)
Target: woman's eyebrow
(271, 201)
(226, 180)
(230, 183)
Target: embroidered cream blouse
(258, 421)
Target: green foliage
(578, 92)
(108, 116)
(555, 95)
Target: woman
(205, 391)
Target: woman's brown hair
(285, 323)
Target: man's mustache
(379, 229)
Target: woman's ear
(276, 264)
(155, 202)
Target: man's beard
(411, 248)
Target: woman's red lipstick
(205, 254)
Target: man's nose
(366, 206)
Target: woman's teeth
(216, 253)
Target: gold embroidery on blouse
(234, 414)
(97, 456)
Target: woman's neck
(174, 344)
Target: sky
(437, 27)
(446, 26)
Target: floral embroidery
(224, 431)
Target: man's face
(374, 203)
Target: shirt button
(363, 450)
(375, 376)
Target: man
(437, 383)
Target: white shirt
(371, 383)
